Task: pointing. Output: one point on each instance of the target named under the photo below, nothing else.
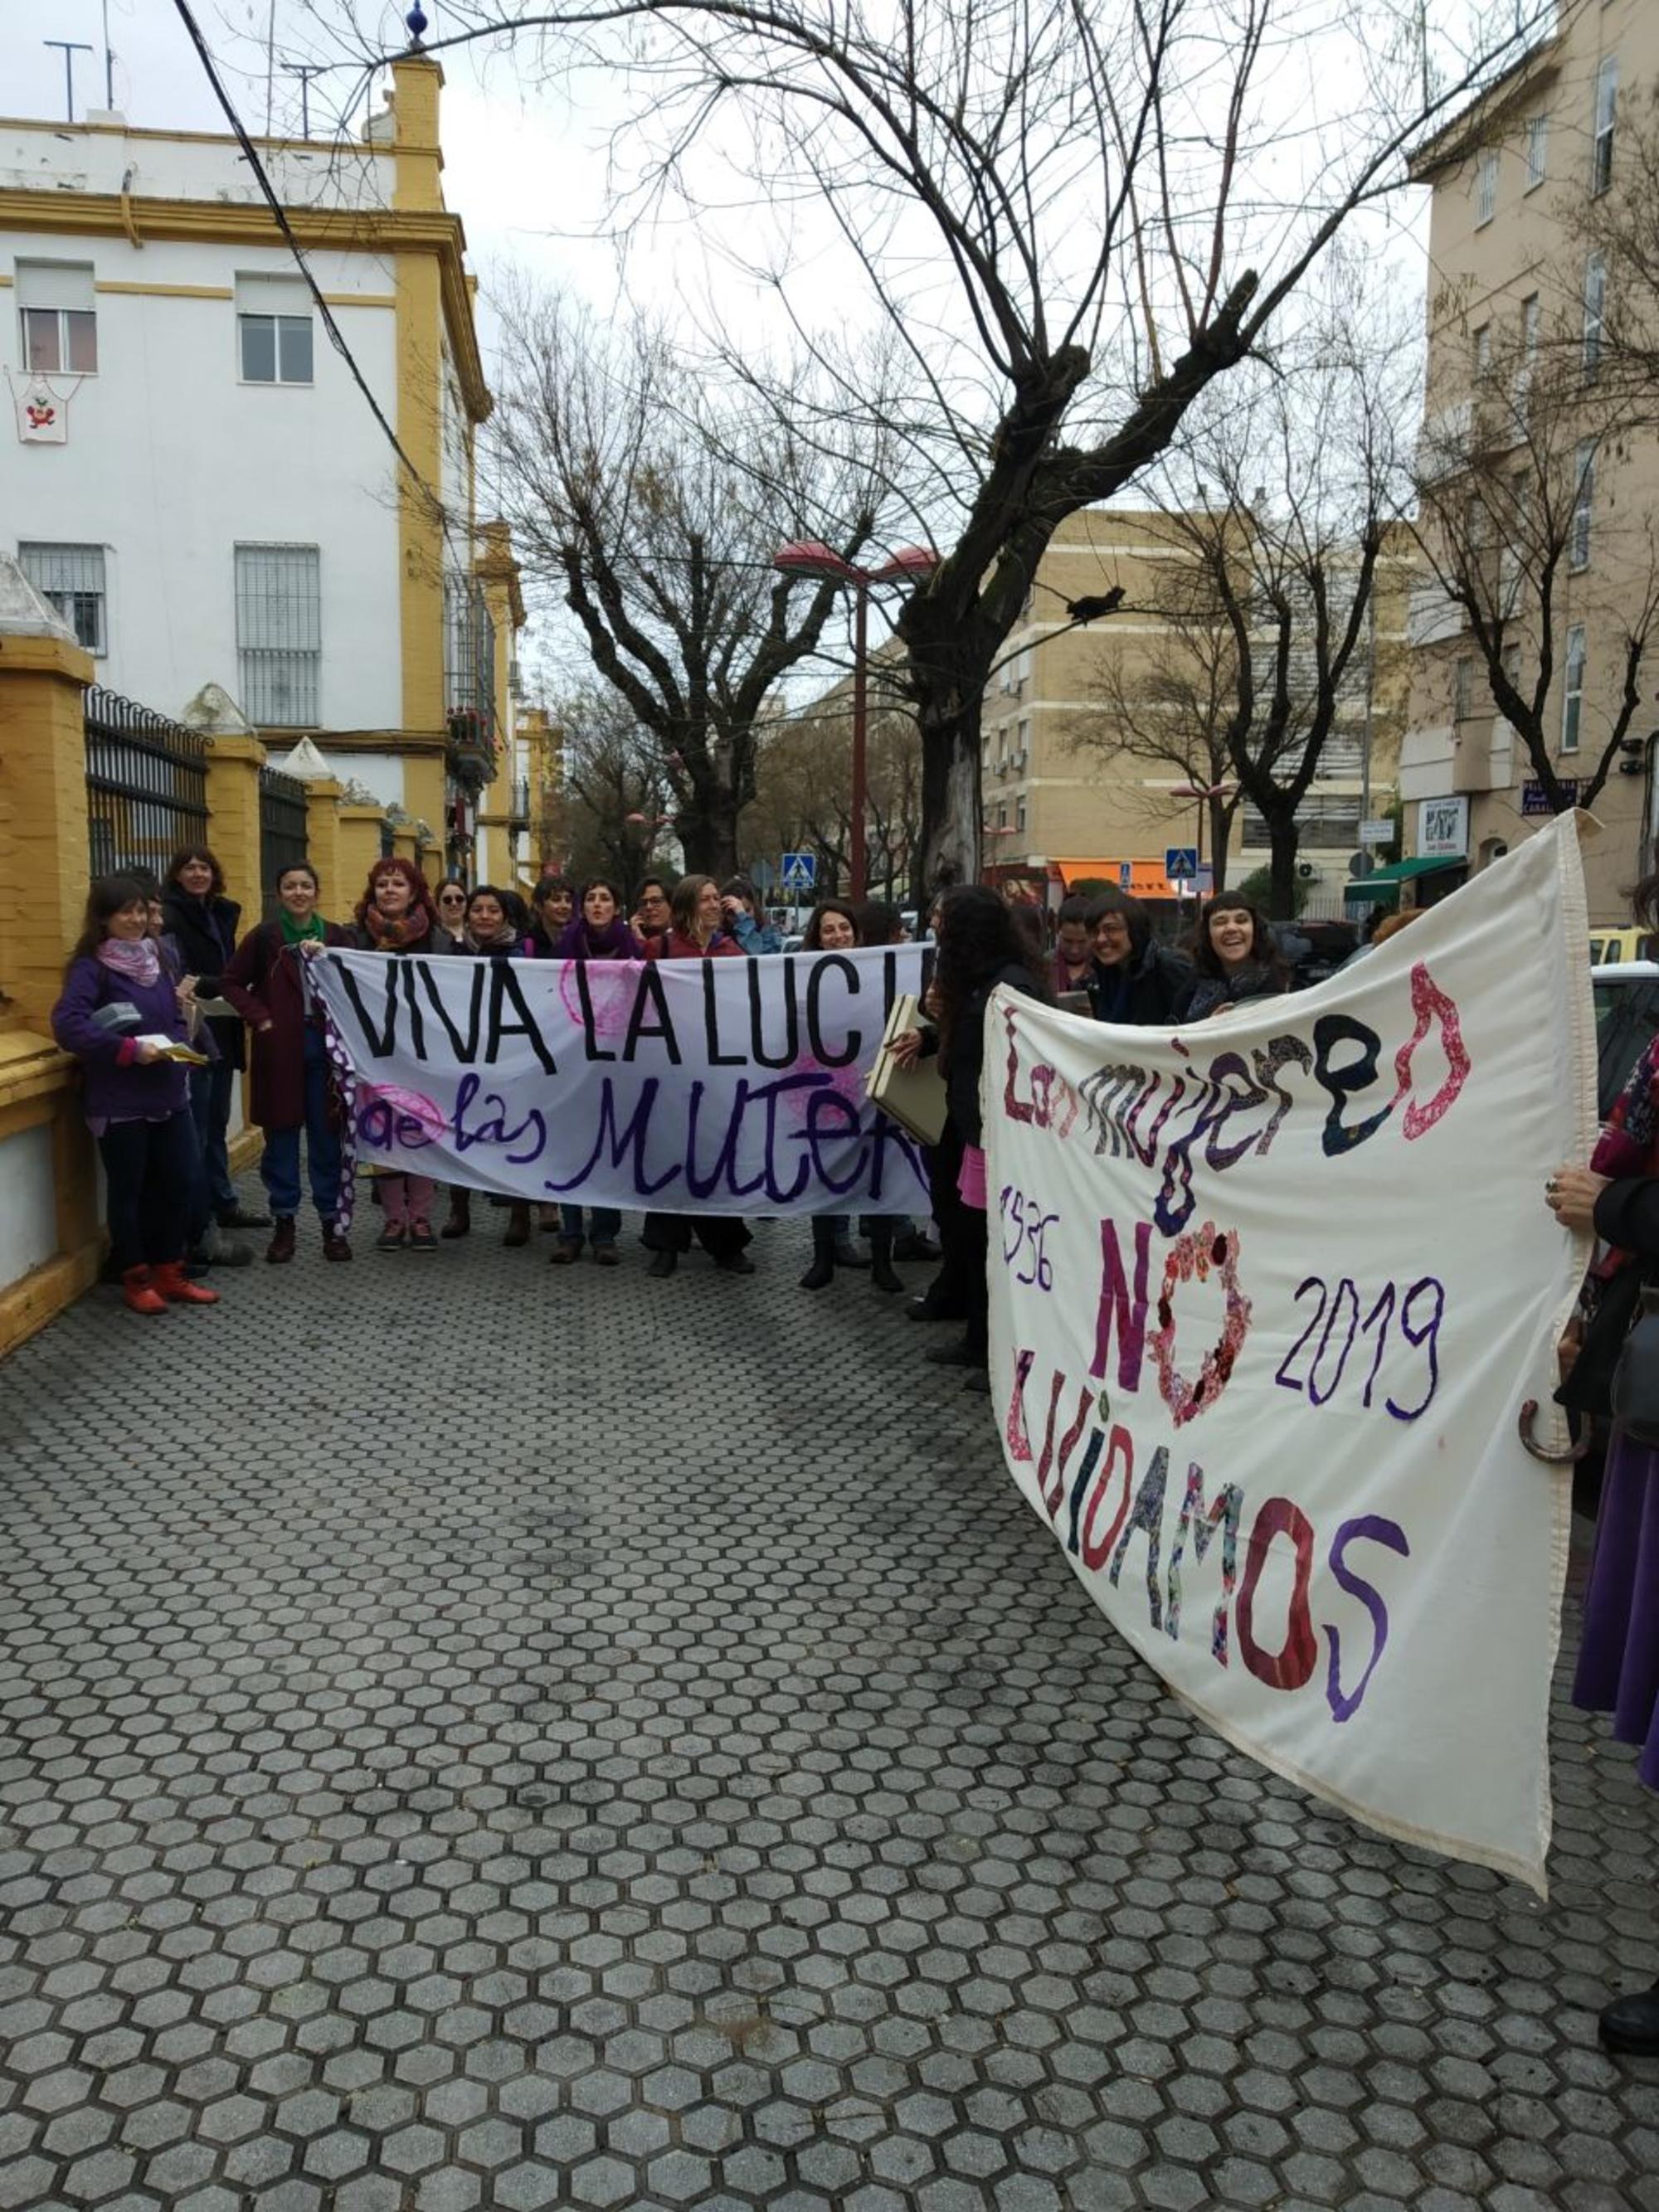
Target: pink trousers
(407, 1200)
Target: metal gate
(281, 830)
(146, 785)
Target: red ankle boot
(139, 1295)
(177, 1288)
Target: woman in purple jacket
(118, 999)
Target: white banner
(682, 1086)
(1267, 1296)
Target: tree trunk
(1283, 840)
(1221, 824)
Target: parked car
(1626, 1019)
(1608, 946)
(1315, 949)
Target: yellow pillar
(233, 764)
(323, 844)
(430, 860)
(359, 826)
(44, 865)
(405, 841)
(44, 869)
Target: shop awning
(1382, 883)
(1146, 877)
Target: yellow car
(1609, 946)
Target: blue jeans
(605, 1224)
(210, 1103)
(279, 1169)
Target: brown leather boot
(518, 1222)
(459, 1223)
(281, 1247)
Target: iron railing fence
(146, 785)
(281, 830)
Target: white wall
(28, 1216)
(58, 157)
(172, 460)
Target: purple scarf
(139, 959)
(616, 941)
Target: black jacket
(964, 1057)
(1626, 1216)
(1204, 993)
(1156, 980)
(204, 930)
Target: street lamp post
(810, 556)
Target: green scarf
(296, 932)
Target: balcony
(471, 749)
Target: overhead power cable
(336, 337)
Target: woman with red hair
(394, 916)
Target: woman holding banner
(833, 926)
(694, 934)
(979, 946)
(1236, 959)
(396, 915)
(1618, 1197)
(293, 1086)
(597, 932)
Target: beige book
(913, 1097)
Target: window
(1485, 186)
(1529, 361)
(279, 634)
(1607, 110)
(1596, 305)
(1483, 351)
(71, 577)
(1023, 741)
(1020, 816)
(1537, 147)
(1583, 496)
(1516, 536)
(1475, 522)
(1572, 697)
(1462, 689)
(273, 331)
(59, 326)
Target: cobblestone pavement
(481, 1734)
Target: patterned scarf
(139, 959)
(397, 935)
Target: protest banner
(1267, 1294)
(689, 1086)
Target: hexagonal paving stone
(573, 1829)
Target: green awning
(1382, 883)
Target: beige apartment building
(1517, 292)
(1064, 801)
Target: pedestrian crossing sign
(800, 871)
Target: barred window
(1485, 187)
(1595, 308)
(1537, 147)
(70, 578)
(1584, 498)
(279, 634)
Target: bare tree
(1529, 551)
(653, 506)
(1618, 233)
(1172, 705)
(1072, 220)
(804, 788)
(614, 810)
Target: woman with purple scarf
(595, 931)
(1618, 1196)
(120, 1011)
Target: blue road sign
(801, 872)
(1180, 864)
(1125, 874)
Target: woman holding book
(123, 1016)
